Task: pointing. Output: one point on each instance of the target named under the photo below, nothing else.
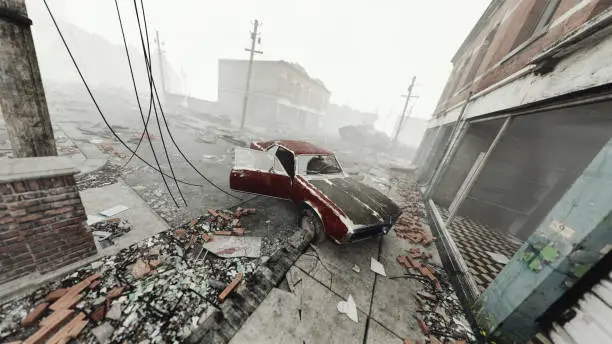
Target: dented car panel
(349, 210)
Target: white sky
(365, 51)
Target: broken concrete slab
(233, 246)
(334, 269)
(276, 321)
(143, 220)
(377, 334)
(321, 321)
(110, 212)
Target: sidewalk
(387, 306)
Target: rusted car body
(313, 179)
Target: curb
(223, 323)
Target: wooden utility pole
(254, 39)
(160, 56)
(22, 97)
(403, 117)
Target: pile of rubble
(107, 230)
(441, 317)
(106, 175)
(157, 290)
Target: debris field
(440, 317)
(157, 290)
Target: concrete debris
(91, 219)
(377, 267)
(349, 308)
(148, 291)
(103, 332)
(231, 246)
(107, 230)
(106, 175)
(356, 268)
(110, 212)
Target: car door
(259, 172)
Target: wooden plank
(67, 301)
(230, 287)
(48, 325)
(56, 294)
(35, 314)
(70, 330)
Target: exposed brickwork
(42, 226)
(508, 33)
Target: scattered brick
(213, 212)
(180, 233)
(422, 325)
(206, 237)
(98, 313)
(230, 287)
(114, 293)
(227, 233)
(426, 295)
(94, 284)
(35, 314)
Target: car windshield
(318, 164)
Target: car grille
(366, 232)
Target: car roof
(302, 147)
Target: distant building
(338, 116)
(282, 94)
(516, 168)
(412, 131)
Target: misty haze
(305, 171)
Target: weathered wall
(512, 49)
(271, 81)
(42, 226)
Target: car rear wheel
(309, 221)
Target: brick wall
(491, 72)
(42, 226)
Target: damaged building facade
(281, 95)
(515, 167)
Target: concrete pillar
(571, 238)
(22, 97)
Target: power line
(168, 128)
(147, 57)
(151, 102)
(96, 103)
(135, 89)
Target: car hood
(362, 204)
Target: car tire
(309, 221)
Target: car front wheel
(309, 221)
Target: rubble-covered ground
(156, 290)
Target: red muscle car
(332, 204)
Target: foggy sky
(364, 51)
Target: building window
(537, 21)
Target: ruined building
(281, 94)
(516, 169)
